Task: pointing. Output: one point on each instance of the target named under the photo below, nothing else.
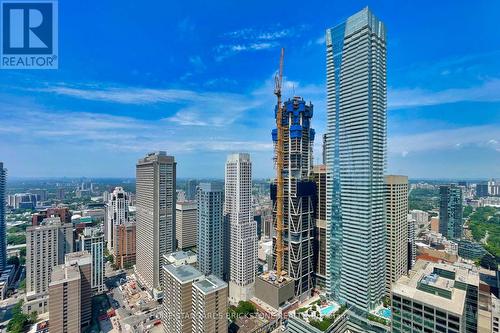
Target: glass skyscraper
(210, 238)
(355, 154)
(3, 241)
(450, 211)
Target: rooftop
(210, 284)
(183, 273)
(63, 273)
(437, 284)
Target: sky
(195, 78)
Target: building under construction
(299, 195)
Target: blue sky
(194, 78)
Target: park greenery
(484, 225)
(244, 308)
(423, 199)
(377, 319)
(16, 239)
(20, 321)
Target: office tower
(60, 193)
(70, 307)
(267, 220)
(299, 194)
(155, 191)
(177, 303)
(210, 240)
(412, 246)
(22, 201)
(191, 185)
(185, 224)
(319, 175)
(396, 201)
(421, 219)
(493, 187)
(436, 298)
(125, 245)
(450, 211)
(258, 221)
(92, 241)
(41, 194)
(64, 299)
(355, 153)
(243, 229)
(46, 246)
(116, 214)
(3, 241)
(209, 305)
(82, 259)
(435, 224)
(193, 302)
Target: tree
(20, 320)
(488, 261)
(13, 261)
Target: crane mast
(278, 80)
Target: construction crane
(278, 80)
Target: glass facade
(355, 154)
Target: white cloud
(456, 138)
(253, 39)
(489, 91)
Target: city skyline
(194, 101)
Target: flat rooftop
(63, 273)
(425, 274)
(183, 273)
(210, 284)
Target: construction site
(293, 193)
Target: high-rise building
(193, 302)
(117, 213)
(92, 241)
(209, 305)
(210, 240)
(355, 153)
(185, 224)
(155, 191)
(421, 219)
(3, 241)
(70, 307)
(243, 229)
(412, 245)
(125, 245)
(46, 246)
(450, 211)
(396, 195)
(82, 259)
(299, 194)
(319, 175)
(436, 298)
(191, 185)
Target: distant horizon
(199, 85)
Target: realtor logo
(28, 34)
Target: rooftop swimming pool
(328, 310)
(386, 313)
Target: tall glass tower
(355, 154)
(3, 241)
